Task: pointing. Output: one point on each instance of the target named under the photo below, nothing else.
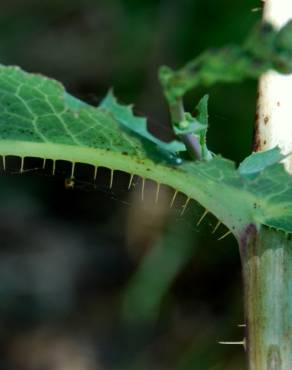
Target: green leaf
(257, 162)
(272, 190)
(266, 48)
(196, 126)
(39, 119)
(203, 117)
(190, 125)
(124, 115)
(202, 108)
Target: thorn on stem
(22, 165)
(202, 217)
(111, 179)
(240, 343)
(216, 227)
(142, 189)
(157, 192)
(185, 206)
(95, 173)
(256, 9)
(173, 199)
(72, 170)
(54, 167)
(225, 235)
(130, 181)
(4, 162)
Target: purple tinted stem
(191, 142)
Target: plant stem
(267, 254)
(267, 261)
(191, 142)
(274, 110)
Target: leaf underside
(38, 118)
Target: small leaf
(251, 166)
(190, 125)
(195, 125)
(202, 108)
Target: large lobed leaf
(39, 119)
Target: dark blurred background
(97, 279)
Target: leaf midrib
(194, 186)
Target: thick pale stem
(267, 272)
(274, 111)
(267, 254)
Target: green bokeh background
(95, 275)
